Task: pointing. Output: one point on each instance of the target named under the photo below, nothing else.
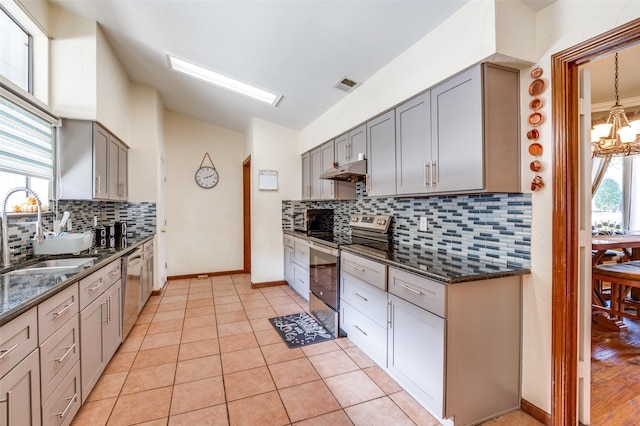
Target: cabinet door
(306, 176)
(20, 393)
(288, 265)
(457, 133)
(92, 352)
(100, 162)
(413, 145)
(114, 152)
(342, 149)
(316, 169)
(357, 142)
(381, 149)
(113, 324)
(123, 173)
(327, 158)
(416, 352)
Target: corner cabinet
(475, 132)
(93, 162)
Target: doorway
(246, 213)
(566, 211)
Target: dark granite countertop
(19, 293)
(444, 267)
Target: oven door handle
(323, 249)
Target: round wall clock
(207, 176)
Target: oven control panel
(379, 223)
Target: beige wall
(204, 229)
(271, 147)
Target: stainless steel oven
(324, 276)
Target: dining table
(629, 246)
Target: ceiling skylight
(225, 82)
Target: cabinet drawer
(65, 402)
(58, 355)
(17, 338)
(95, 284)
(366, 334)
(57, 310)
(112, 272)
(301, 252)
(287, 241)
(420, 291)
(369, 300)
(301, 281)
(367, 270)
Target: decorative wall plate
(535, 149)
(536, 119)
(535, 104)
(537, 87)
(536, 72)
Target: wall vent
(345, 84)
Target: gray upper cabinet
(350, 144)
(93, 162)
(381, 151)
(306, 176)
(316, 169)
(327, 157)
(413, 145)
(475, 132)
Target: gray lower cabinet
(100, 334)
(300, 282)
(416, 352)
(288, 259)
(20, 393)
(381, 155)
(20, 371)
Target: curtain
(598, 169)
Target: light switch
(424, 224)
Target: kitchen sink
(55, 266)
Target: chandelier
(617, 137)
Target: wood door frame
(246, 214)
(564, 317)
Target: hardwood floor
(615, 375)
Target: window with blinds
(26, 141)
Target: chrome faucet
(6, 253)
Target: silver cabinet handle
(411, 289)
(71, 400)
(434, 174)
(361, 296)
(94, 288)
(360, 330)
(389, 312)
(346, 152)
(98, 184)
(8, 401)
(69, 350)
(6, 352)
(109, 309)
(427, 174)
(358, 268)
(115, 271)
(62, 311)
(106, 317)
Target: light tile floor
(204, 353)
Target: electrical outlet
(95, 221)
(69, 226)
(424, 224)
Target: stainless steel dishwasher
(132, 265)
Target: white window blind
(26, 137)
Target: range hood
(350, 172)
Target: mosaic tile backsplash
(487, 227)
(140, 218)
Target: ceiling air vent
(345, 84)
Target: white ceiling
(299, 49)
(603, 77)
